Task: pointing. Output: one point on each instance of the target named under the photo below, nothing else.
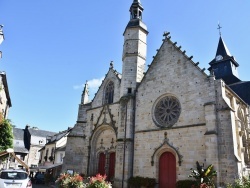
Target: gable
(111, 76)
(174, 74)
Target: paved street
(40, 186)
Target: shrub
(243, 182)
(98, 181)
(66, 180)
(203, 176)
(141, 181)
(185, 183)
(76, 181)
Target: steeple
(85, 94)
(222, 50)
(224, 66)
(134, 50)
(136, 10)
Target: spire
(222, 49)
(85, 94)
(224, 66)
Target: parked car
(39, 178)
(15, 179)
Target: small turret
(224, 65)
(85, 94)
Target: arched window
(109, 93)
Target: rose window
(167, 111)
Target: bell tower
(224, 65)
(134, 50)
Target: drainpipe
(133, 134)
(89, 147)
(124, 145)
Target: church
(157, 122)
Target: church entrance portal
(167, 170)
(107, 162)
(101, 165)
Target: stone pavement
(40, 186)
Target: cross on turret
(219, 28)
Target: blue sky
(52, 47)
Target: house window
(52, 152)
(61, 157)
(129, 90)
(109, 93)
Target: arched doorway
(101, 164)
(167, 170)
(111, 166)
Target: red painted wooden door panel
(167, 170)
(111, 165)
(101, 165)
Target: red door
(111, 165)
(101, 165)
(167, 170)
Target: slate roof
(18, 133)
(40, 133)
(58, 136)
(242, 89)
(19, 145)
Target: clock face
(218, 57)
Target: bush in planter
(66, 180)
(137, 182)
(149, 182)
(185, 183)
(203, 177)
(243, 182)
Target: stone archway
(102, 145)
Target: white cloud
(92, 85)
(95, 83)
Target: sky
(52, 48)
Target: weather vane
(219, 28)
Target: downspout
(124, 145)
(89, 147)
(217, 126)
(133, 134)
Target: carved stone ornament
(170, 145)
(166, 112)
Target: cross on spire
(219, 28)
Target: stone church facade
(158, 123)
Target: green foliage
(203, 176)
(185, 183)
(6, 139)
(141, 181)
(243, 182)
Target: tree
(6, 138)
